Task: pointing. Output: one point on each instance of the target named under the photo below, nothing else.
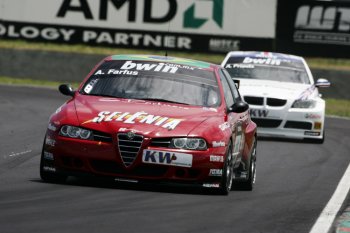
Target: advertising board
(191, 25)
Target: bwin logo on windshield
(191, 21)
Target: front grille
(129, 147)
(298, 125)
(111, 167)
(267, 123)
(276, 102)
(254, 100)
(102, 137)
(161, 142)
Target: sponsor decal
(224, 45)
(52, 127)
(312, 116)
(211, 185)
(262, 61)
(224, 126)
(138, 117)
(49, 141)
(239, 66)
(312, 133)
(261, 113)
(91, 84)
(49, 169)
(132, 68)
(217, 158)
(48, 155)
(215, 172)
(218, 144)
(161, 67)
(322, 24)
(167, 158)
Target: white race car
(283, 97)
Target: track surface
(294, 183)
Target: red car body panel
(152, 120)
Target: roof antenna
(166, 42)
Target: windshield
(282, 70)
(149, 80)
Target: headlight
(189, 143)
(304, 104)
(75, 132)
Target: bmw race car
(152, 118)
(281, 91)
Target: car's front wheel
(249, 183)
(227, 173)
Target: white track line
(326, 218)
(17, 154)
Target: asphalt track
(294, 182)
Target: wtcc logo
(323, 18)
(322, 25)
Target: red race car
(152, 118)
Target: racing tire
(248, 185)
(49, 177)
(227, 173)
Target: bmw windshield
(148, 80)
(283, 70)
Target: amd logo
(328, 18)
(104, 5)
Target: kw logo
(323, 18)
(167, 158)
(159, 157)
(191, 21)
(259, 113)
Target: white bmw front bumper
(287, 122)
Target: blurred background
(43, 41)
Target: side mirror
(239, 107)
(322, 83)
(66, 89)
(237, 82)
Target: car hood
(153, 119)
(275, 89)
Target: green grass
(338, 64)
(32, 82)
(335, 107)
(338, 107)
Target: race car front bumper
(293, 123)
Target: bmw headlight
(75, 132)
(189, 143)
(304, 104)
